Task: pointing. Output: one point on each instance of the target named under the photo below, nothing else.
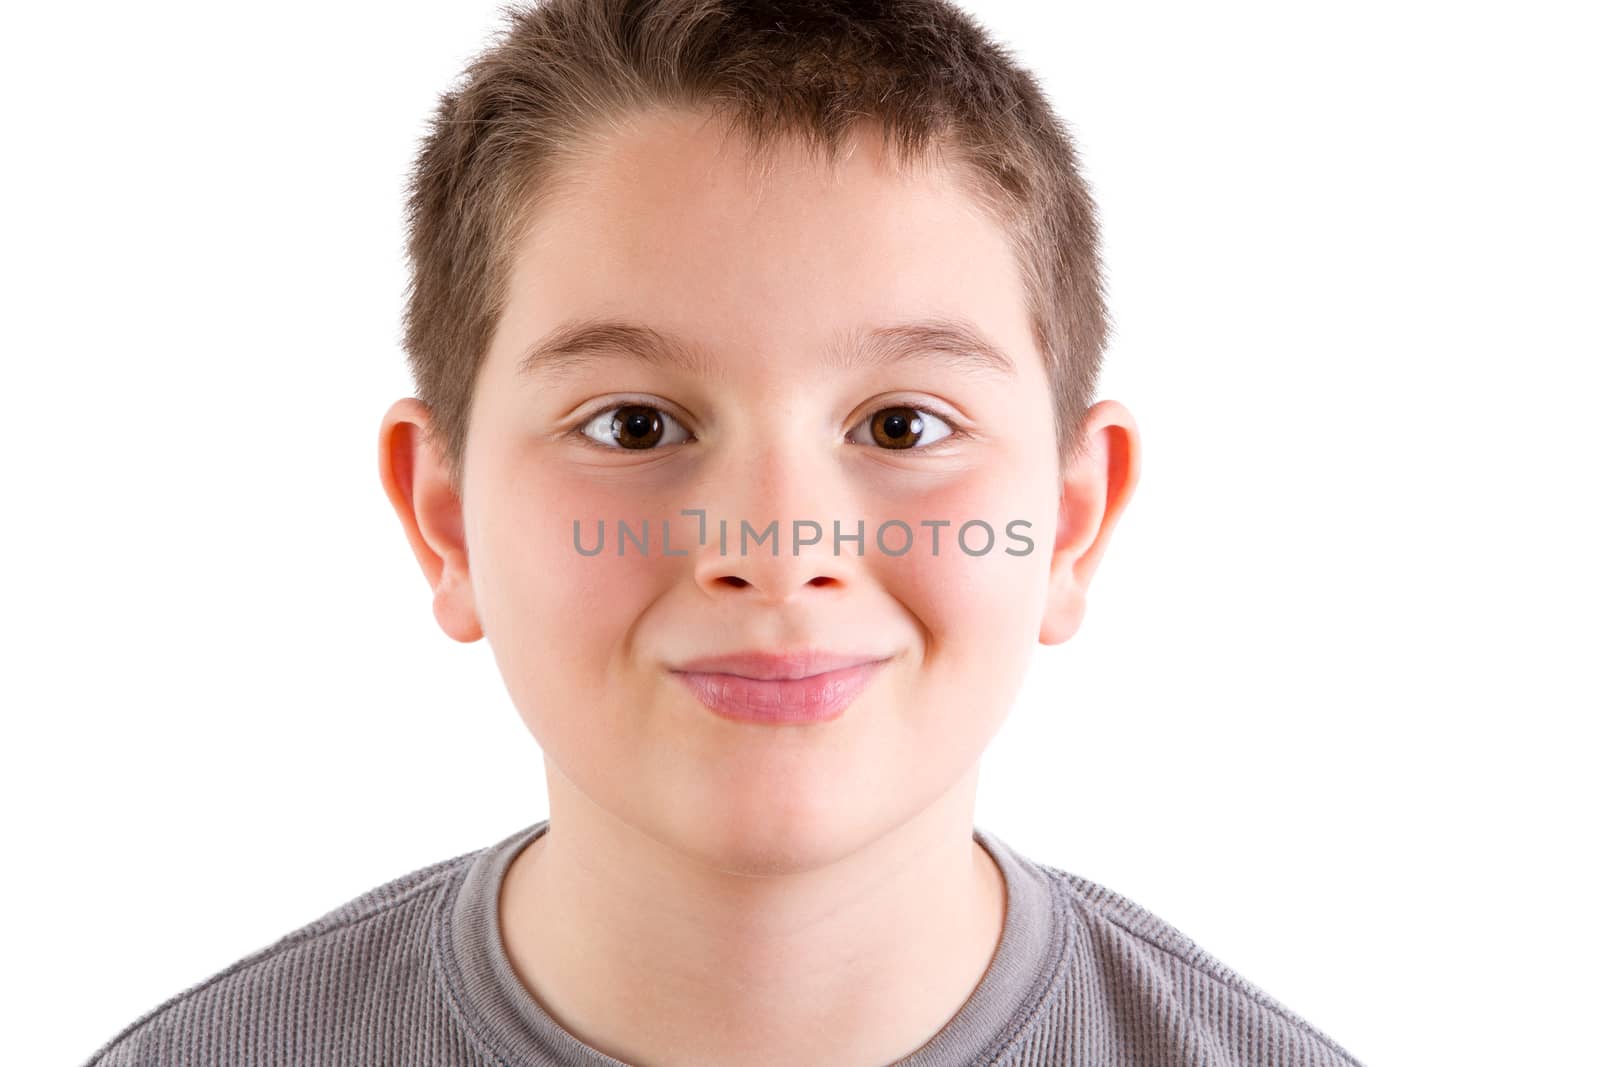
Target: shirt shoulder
(1147, 993)
(325, 992)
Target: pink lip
(801, 687)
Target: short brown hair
(516, 126)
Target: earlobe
(1095, 489)
(416, 482)
(1063, 612)
(453, 607)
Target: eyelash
(957, 430)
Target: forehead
(670, 219)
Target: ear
(1094, 490)
(417, 482)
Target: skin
(715, 892)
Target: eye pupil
(635, 426)
(897, 427)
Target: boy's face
(761, 283)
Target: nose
(769, 524)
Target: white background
(1330, 713)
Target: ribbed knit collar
(501, 1013)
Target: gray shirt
(414, 972)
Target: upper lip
(795, 663)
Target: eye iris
(896, 427)
(635, 426)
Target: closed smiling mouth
(786, 687)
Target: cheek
(984, 589)
(981, 615)
(555, 617)
(979, 610)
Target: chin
(754, 836)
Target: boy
(688, 274)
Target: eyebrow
(953, 341)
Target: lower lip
(819, 698)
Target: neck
(653, 956)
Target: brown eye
(903, 428)
(634, 427)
